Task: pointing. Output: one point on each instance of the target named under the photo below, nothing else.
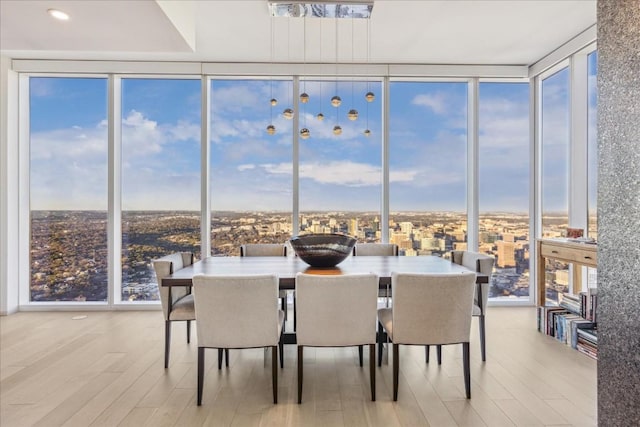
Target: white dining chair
(480, 263)
(337, 311)
(377, 249)
(238, 312)
(428, 309)
(269, 249)
(177, 301)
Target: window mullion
(205, 164)
(114, 227)
(472, 164)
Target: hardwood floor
(106, 369)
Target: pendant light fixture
(304, 97)
(271, 129)
(288, 112)
(369, 96)
(322, 9)
(320, 116)
(353, 113)
(335, 100)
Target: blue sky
(251, 170)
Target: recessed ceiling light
(58, 14)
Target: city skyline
(82, 274)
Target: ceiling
(505, 32)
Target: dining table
(286, 268)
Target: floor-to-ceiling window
(251, 186)
(160, 177)
(68, 189)
(251, 168)
(504, 185)
(427, 167)
(340, 162)
(555, 172)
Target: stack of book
(589, 304)
(571, 302)
(572, 321)
(587, 341)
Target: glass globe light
(274, 101)
(288, 113)
(304, 98)
(304, 133)
(271, 129)
(320, 116)
(369, 97)
(352, 115)
(367, 133)
(337, 130)
(336, 101)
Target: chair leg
(300, 354)
(274, 372)
(426, 353)
(483, 348)
(294, 311)
(396, 370)
(200, 373)
(372, 370)
(167, 342)
(226, 357)
(380, 344)
(439, 353)
(360, 351)
(467, 369)
(220, 357)
(281, 345)
(188, 331)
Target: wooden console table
(579, 254)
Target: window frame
(116, 71)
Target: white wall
(8, 188)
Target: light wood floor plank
(107, 370)
(137, 417)
(518, 413)
(463, 412)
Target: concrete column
(619, 212)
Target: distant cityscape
(69, 248)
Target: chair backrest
(375, 249)
(263, 249)
(336, 310)
(481, 263)
(236, 311)
(166, 266)
(431, 308)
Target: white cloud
(69, 166)
(437, 102)
(278, 169)
(242, 168)
(342, 173)
(185, 130)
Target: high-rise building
(460, 246)
(353, 227)
(406, 227)
(506, 254)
